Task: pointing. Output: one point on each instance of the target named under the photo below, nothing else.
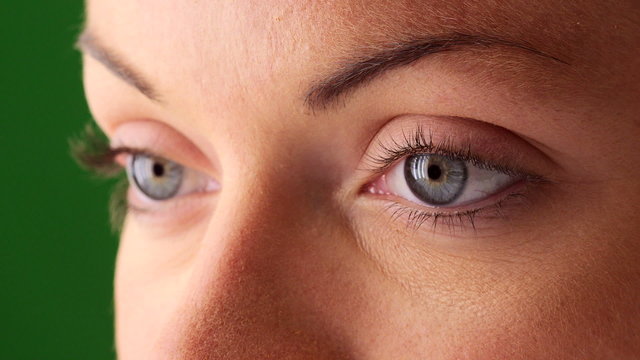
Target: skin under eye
(161, 179)
(441, 181)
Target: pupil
(158, 169)
(434, 172)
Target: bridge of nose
(267, 278)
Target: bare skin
(293, 253)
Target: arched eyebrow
(90, 45)
(348, 77)
(356, 73)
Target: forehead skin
(317, 35)
(217, 62)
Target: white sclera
(192, 181)
(480, 184)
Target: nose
(264, 282)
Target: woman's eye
(161, 179)
(442, 181)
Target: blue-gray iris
(157, 178)
(435, 179)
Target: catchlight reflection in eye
(435, 179)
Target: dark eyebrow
(352, 75)
(89, 44)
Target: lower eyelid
(179, 211)
(142, 201)
(445, 221)
(516, 189)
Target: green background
(57, 253)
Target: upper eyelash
(419, 143)
(91, 150)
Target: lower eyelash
(416, 218)
(118, 204)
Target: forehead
(204, 45)
(276, 26)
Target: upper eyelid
(135, 151)
(418, 143)
(156, 138)
(124, 150)
(480, 141)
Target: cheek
(151, 272)
(273, 281)
(577, 299)
(566, 316)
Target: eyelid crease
(158, 139)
